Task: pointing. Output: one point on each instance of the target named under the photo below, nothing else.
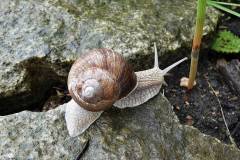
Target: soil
(200, 107)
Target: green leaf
(226, 42)
(221, 7)
(226, 3)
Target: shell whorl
(99, 78)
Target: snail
(101, 78)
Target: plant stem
(201, 10)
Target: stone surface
(231, 73)
(39, 39)
(150, 131)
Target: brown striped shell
(99, 78)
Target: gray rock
(39, 39)
(150, 131)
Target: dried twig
(224, 119)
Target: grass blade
(218, 6)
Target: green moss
(226, 42)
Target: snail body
(102, 78)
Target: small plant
(226, 42)
(201, 10)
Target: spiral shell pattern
(99, 78)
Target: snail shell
(99, 78)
